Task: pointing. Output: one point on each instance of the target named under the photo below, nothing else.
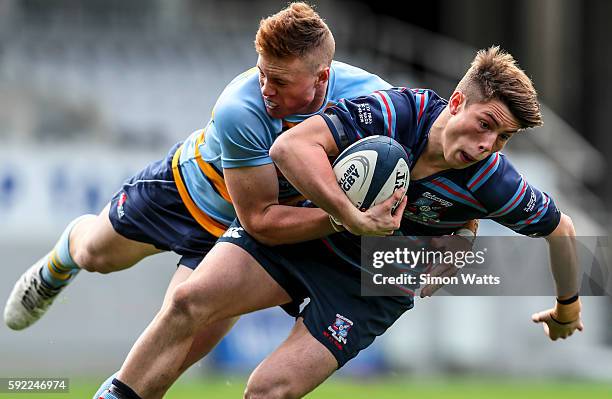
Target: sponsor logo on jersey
(431, 196)
(233, 232)
(428, 208)
(120, 210)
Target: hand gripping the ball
(381, 219)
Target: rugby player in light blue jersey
(454, 150)
(184, 202)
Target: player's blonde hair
(494, 74)
(296, 31)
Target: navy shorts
(337, 315)
(149, 209)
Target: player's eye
(484, 124)
(504, 137)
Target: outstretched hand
(561, 321)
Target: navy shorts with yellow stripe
(337, 315)
(148, 208)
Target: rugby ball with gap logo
(371, 169)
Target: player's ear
(323, 76)
(457, 99)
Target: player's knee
(258, 388)
(187, 305)
(86, 249)
(85, 254)
(88, 258)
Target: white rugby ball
(371, 169)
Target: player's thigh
(227, 283)
(208, 337)
(295, 368)
(96, 246)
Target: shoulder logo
(233, 232)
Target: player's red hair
(296, 31)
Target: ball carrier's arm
(302, 153)
(564, 318)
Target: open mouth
(269, 104)
(465, 157)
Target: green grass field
(222, 388)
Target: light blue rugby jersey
(240, 133)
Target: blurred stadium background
(91, 91)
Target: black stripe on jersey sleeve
(337, 130)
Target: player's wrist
(468, 231)
(351, 219)
(567, 311)
(343, 212)
(568, 300)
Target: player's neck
(433, 154)
(318, 101)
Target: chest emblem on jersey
(428, 207)
(340, 328)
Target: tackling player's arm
(562, 320)
(254, 192)
(301, 153)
